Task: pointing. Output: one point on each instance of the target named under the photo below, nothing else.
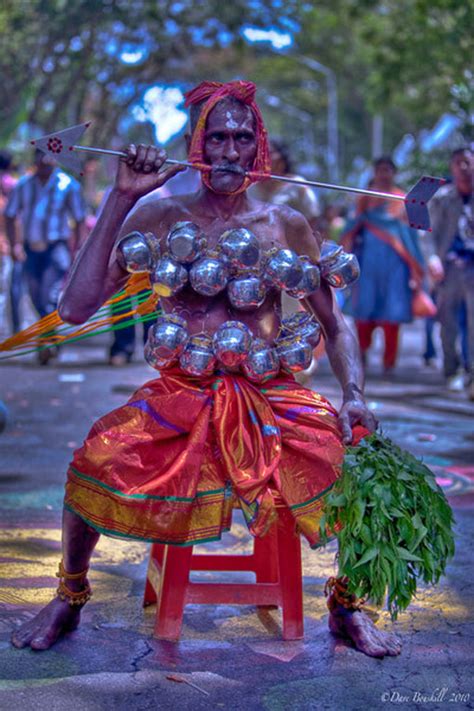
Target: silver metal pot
(330, 251)
(209, 275)
(134, 253)
(304, 325)
(262, 362)
(246, 292)
(198, 357)
(240, 248)
(169, 277)
(231, 343)
(309, 282)
(342, 272)
(185, 242)
(295, 354)
(166, 340)
(283, 269)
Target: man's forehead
(231, 115)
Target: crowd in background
(45, 216)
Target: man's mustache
(228, 168)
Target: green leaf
(366, 474)
(396, 513)
(337, 500)
(368, 555)
(406, 555)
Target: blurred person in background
(332, 222)
(451, 265)
(391, 264)
(44, 201)
(7, 183)
(299, 197)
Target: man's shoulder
(290, 215)
(153, 212)
(155, 204)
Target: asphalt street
(233, 655)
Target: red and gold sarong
(169, 465)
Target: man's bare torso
(267, 222)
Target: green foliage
(396, 523)
(408, 61)
(60, 61)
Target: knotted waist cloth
(170, 464)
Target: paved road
(112, 661)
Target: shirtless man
(230, 146)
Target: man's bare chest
(266, 227)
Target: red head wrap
(214, 92)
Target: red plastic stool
(276, 560)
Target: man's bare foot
(359, 628)
(43, 630)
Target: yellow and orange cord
(44, 332)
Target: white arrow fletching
(60, 146)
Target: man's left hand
(355, 412)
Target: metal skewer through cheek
(415, 200)
(62, 146)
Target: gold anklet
(64, 593)
(336, 589)
(62, 573)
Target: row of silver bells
(237, 263)
(232, 347)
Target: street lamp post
(332, 113)
(332, 155)
(304, 116)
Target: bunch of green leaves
(392, 522)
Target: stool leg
(172, 596)
(265, 552)
(289, 558)
(156, 556)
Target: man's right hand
(138, 174)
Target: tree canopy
(408, 60)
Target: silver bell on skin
(295, 354)
(304, 325)
(342, 272)
(309, 282)
(240, 247)
(153, 359)
(198, 357)
(231, 343)
(209, 275)
(186, 242)
(283, 269)
(166, 340)
(330, 251)
(246, 292)
(262, 362)
(168, 277)
(134, 253)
